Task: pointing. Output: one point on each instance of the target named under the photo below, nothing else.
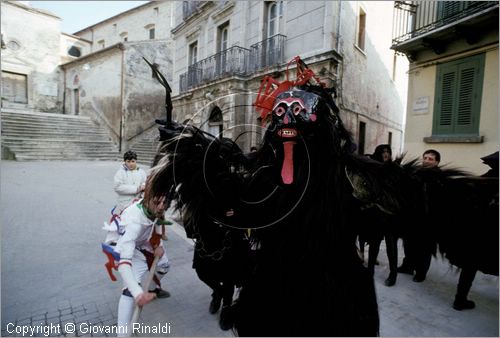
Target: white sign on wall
(421, 105)
(49, 89)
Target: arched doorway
(215, 122)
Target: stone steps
(145, 146)
(28, 135)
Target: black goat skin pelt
(305, 277)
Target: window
(156, 10)
(272, 19)
(74, 51)
(361, 138)
(14, 87)
(124, 36)
(101, 43)
(222, 45)
(447, 9)
(360, 41)
(274, 15)
(114, 28)
(222, 37)
(215, 122)
(457, 100)
(151, 31)
(193, 53)
(389, 139)
(271, 52)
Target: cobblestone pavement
(53, 278)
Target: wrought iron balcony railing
(415, 18)
(232, 61)
(269, 52)
(235, 61)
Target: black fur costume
(306, 277)
(442, 208)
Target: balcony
(421, 25)
(268, 53)
(235, 61)
(232, 61)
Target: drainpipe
(338, 27)
(64, 92)
(122, 115)
(340, 65)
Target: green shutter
(457, 102)
(446, 100)
(448, 9)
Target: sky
(77, 15)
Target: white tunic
(126, 183)
(138, 231)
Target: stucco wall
(464, 155)
(368, 85)
(98, 81)
(144, 97)
(38, 54)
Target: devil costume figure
(293, 198)
(443, 208)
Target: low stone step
(50, 124)
(26, 114)
(58, 130)
(9, 138)
(21, 157)
(46, 150)
(55, 135)
(30, 135)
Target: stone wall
(371, 82)
(144, 97)
(33, 53)
(97, 79)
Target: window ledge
(454, 139)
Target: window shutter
(469, 96)
(457, 103)
(445, 100)
(449, 8)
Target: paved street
(53, 271)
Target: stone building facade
(97, 72)
(116, 88)
(31, 78)
(151, 21)
(223, 49)
(112, 83)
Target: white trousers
(126, 304)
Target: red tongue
(287, 169)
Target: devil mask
(294, 115)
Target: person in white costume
(129, 182)
(143, 224)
